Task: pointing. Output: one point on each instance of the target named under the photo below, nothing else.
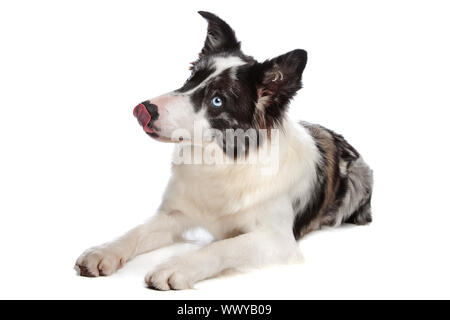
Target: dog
(314, 177)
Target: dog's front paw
(172, 275)
(98, 261)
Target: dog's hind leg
(360, 193)
(162, 230)
(362, 215)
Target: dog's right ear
(220, 36)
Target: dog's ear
(220, 36)
(280, 78)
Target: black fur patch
(279, 80)
(197, 98)
(197, 77)
(238, 93)
(220, 36)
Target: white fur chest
(210, 192)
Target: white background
(76, 169)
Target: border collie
(242, 170)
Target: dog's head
(226, 90)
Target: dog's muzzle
(146, 113)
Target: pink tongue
(143, 117)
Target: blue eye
(216, 102)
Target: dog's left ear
(281, 77)
(220, 36)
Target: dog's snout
(146, 113)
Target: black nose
(152, 110)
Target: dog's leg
(164, 229)
(272, 241)
(254, 249)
